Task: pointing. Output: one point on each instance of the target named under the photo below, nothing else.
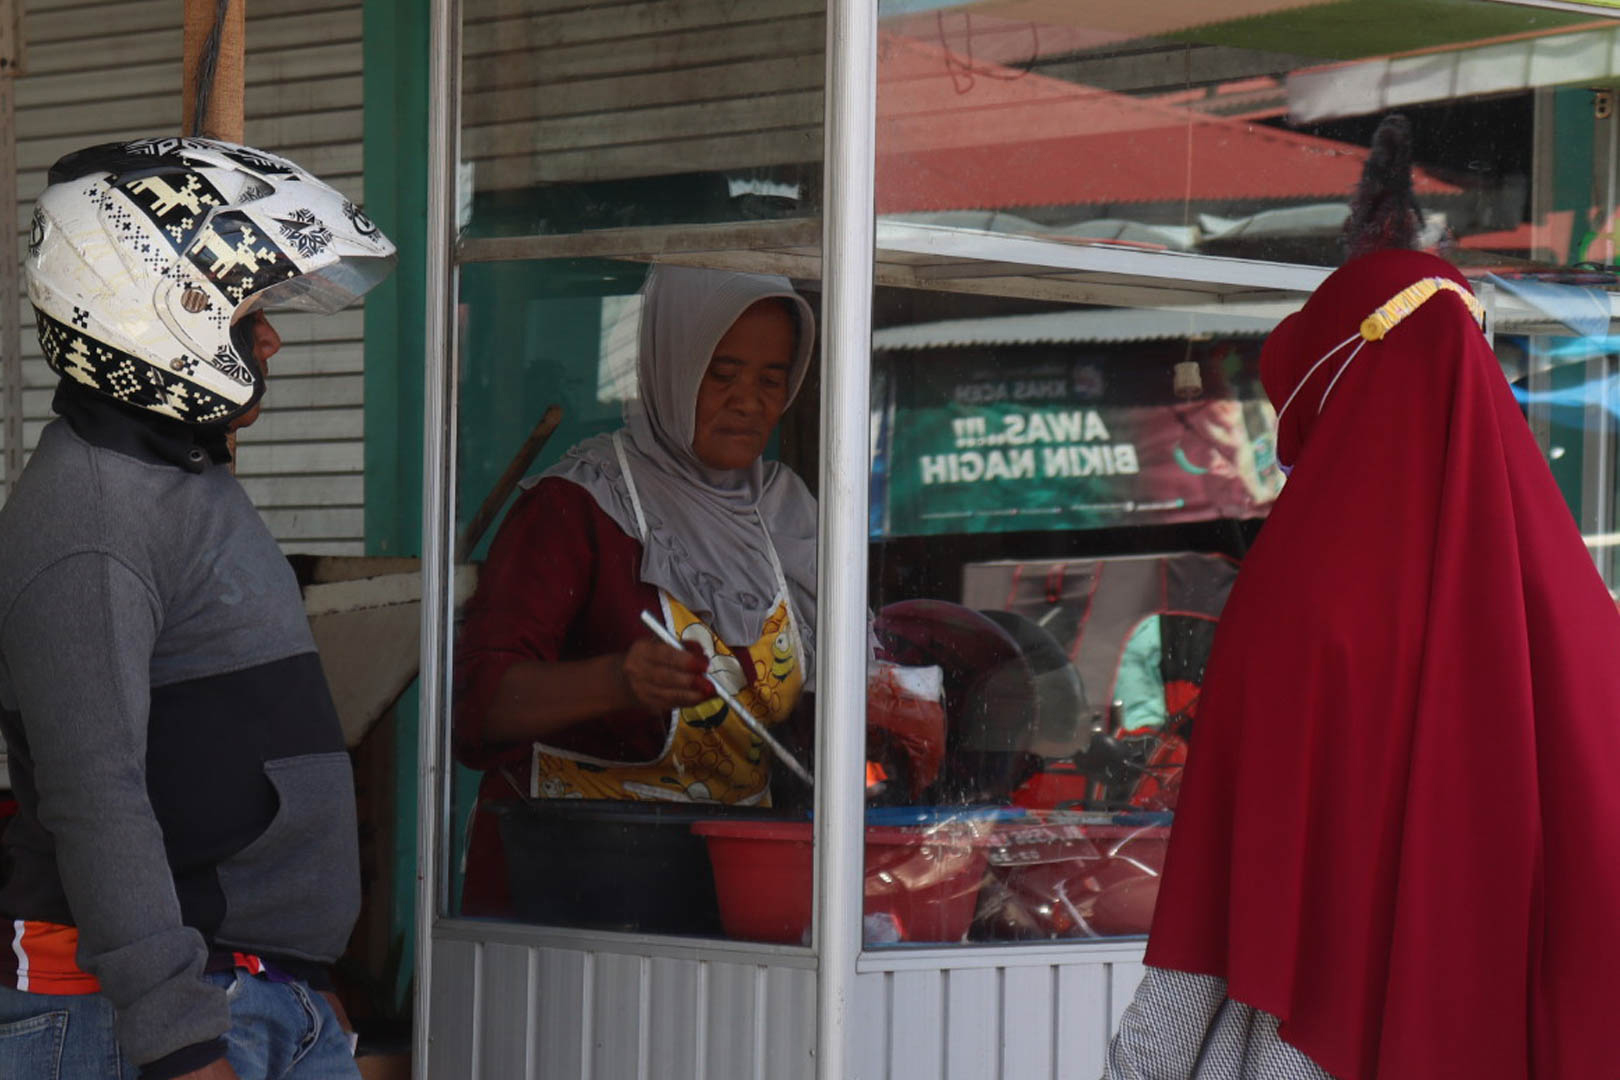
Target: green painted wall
(396, 61)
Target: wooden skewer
(736, 706)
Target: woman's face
(746, 387)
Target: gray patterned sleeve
(78, 644)
(1182, 1026)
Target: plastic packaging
(905, 724)
(1072, 875)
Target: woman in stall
(561, 691)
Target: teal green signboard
(1036, 439)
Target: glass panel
(1559, 349)
(1059, 497)
(606, 768)
(620, 114)
(1240, 127)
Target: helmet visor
(325, 291)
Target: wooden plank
(1082, 1032)
(645, 242)
(36, 372)
(973, 1029)
(660, 124)
(534, 32)
(288, 133)
(334, 523)
(332, 357)
(318, 392)
(304, 327)
(157, 46)
(750, 150)
(64, 7)
(47, 27)
(312, 60)
(324, 547)
(917, 1026)
(342, 489)
(483, 11)
(304, 425)
(750, 80)
(151, 46)
(506, 1009)
(137, 80)
(557, 1034)
(266, 72)
(796, 35)
(261, 459)
(309, 96)
(1026, 1022)
(37, 403)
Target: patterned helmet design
(143, 255)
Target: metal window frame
(1603, 9)
(438, 504)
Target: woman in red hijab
(1397, 850)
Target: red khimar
(1400, 827)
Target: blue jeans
(59, 1037)
(279, 1031)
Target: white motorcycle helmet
(144, 255)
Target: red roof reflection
(956, 133)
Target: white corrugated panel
(102, 71)
(511, 1002)
(527, 1004)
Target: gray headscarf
(705, 545)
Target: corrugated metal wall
(509, 1009)
(101, 71)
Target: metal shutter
(103, 71)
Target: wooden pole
(223, 118)
(223, 114)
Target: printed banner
(971, 443)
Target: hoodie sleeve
(78, 645)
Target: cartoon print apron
(710, 754)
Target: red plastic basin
(925, 881)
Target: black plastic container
(610, 865)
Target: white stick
(736, 706)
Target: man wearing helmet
(183, 866)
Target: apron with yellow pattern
(710, 754)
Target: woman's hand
(218, 1070)
(659, 678)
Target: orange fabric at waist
(42, 959)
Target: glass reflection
(1238, 128)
